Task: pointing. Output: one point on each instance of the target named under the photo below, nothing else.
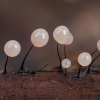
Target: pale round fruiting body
(61, 34)
(69, 39)
(84, 59)
(98, 45)
(39, 37)
(66, 63)
(12, 48)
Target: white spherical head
(39, 37)
(12, 48)
(98, 45)
(66, 63)
(61, 34)
(84, 59)
(69, 39)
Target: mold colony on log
(40, 38)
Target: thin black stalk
(65, 51)
(78, 76)
(40, 70)
(94, 51)
(43, 67)
(65, 72)
(59, 55)
(88, 70)
(5, 67)
(22, 65)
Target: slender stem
(22, 65)
(65, 72)
(88, 70)
(78, 76)
(5, 67)
(59, 55)
(65, 51)
(43, 67)
(94, 51)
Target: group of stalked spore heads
(12, 48)
(85, 59)
(40, 38)
(63, 36)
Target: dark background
(19, 18)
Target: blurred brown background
(19, 18)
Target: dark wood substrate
(49, 86)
